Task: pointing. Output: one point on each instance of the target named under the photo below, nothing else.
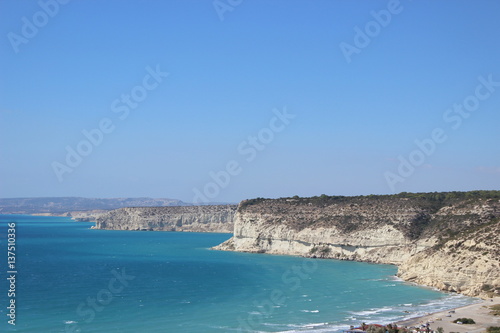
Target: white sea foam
(396, 278)
(316, 328)
(371, 311)
(386, 315)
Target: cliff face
(175, 218)
(469, 263)
(438, 242)
(87, 215)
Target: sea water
(71, 278)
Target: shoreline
(478, 311)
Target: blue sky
(353, 117)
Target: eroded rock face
(175, 218)
(469, 264)
(418, 235)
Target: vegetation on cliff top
(431, 197)
(417, 215)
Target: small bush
(465, 320)
(486, 287)
(493, 329)
(495, 310)
(324, 251)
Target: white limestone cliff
(417, 235)
(175, 218)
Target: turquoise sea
(71, 278)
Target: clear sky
(262, 98)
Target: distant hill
(60, 205)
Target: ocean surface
(71, 278)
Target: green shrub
(325, 250)
(495, 310)
(493, 329)
(465, 320)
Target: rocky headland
(444, 240)
(214, 218)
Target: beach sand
(479, 312)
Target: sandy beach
(480, 312)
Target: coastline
(483, 324)
(478, 311)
